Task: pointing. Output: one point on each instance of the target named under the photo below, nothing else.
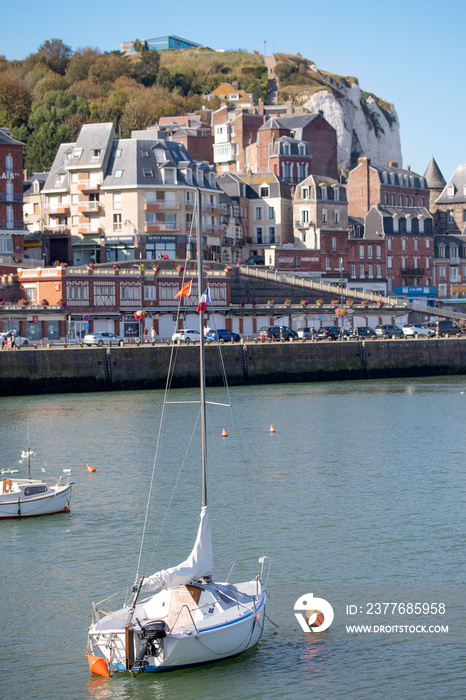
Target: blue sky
(409, 53)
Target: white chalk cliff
(365, 124)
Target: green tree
(80, 64)
(109, 67)
(147, 66)
(56, 107)
(15, 102)
(55, 54)
(43, 145)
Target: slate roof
(458, 180)
(7, 139)
(401, 177)
(28, 185)
(433, 176)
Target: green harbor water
(358, 498)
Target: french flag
(203, 301)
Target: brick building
(370, 185)
(450, 268)
(450, 206)
(11, 197)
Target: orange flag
(185, 290)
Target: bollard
(48, 346)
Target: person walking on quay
(146, 335)
(152, 335)
(313, 333)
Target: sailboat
(25, 498)
(180, 617)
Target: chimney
(234, 84)
(393, 164)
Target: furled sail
(198, 564)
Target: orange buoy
(272, 429)
(224, 433)
(98, 666)
(90, 469)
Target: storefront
(161, 246)
(119, 248)
(86, 250)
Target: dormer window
(212, 179)
(145, 153)
(451, 191)
(323, 189)
(36, 187)
(160, 154)
(189, 176)
(95, 153)
(395, 223)
(305, 193)
(264, 191)
(336, 193)
(169, 176)
(77, 153)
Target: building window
(117, 222)
(378, 252)
(416, 244)
(9, 191)
(305, 193)
(9, 217)
(334, 243)
(427, 263)
(393, 200)
(324, 216)
(403, 244)
(408, 224)
(118, 174)
(145, 153)
(272, 234)
(117, 200)
(336, 193)
(150, 292)
(353, 271)
(323, 190)
(264, 191)
(421, 224)
(95, 153)
(389, 262)
(451, 191)
(403, 262)
(169, 176)
(116, 153)
(395, 223)
(361, 271)
(258, 234)
(370, 271)
(427, 242)
(327, 264)
(272, 213)
(77, 153)
(104, 294)
(369, 252)
(450, 217)
(258, 213)
(148, 172)
(442, 272)
(389, 243)
(337, 216)
(361, 252)
(379, 271)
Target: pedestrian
(313, 333)
(342, 333)
(146, 335)
(152, 335)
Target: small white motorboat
(25, 498)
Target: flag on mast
(185, 290)
(203, 301)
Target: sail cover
(198, 564)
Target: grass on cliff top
(208, 62)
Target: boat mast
(200, 274)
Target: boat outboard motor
(150, 633)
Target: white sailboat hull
(220, 636)
(17, 504)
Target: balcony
(210, 208)
(189, 206)
(17, 224)
(161, 206)
(87, 208)
(213, 230)
(161, 227)
(61, 208)
(92, 229)
(56, 228)
(413, 271)
(6, 197)
(88, 186)
(302, 224)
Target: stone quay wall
(64, 370)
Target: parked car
(255, 260)
(19, 339)
(103, 338)
(277, 332)
(362, 332)
(186, 335)
(444, 328)
(416, 330)
(388, 330)
(223, 334)
(328, 333)
(304, 333)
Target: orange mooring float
(98, 666)
(224, 433)
(272, 429)
(90, 469)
